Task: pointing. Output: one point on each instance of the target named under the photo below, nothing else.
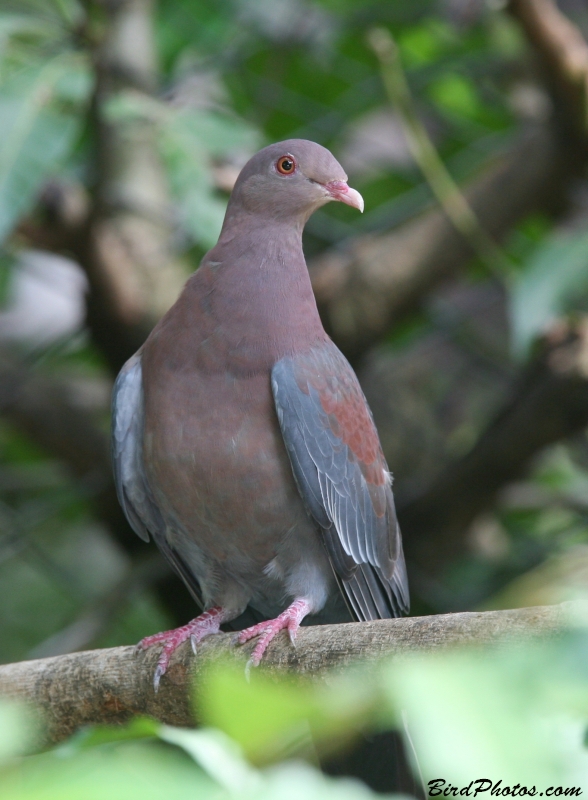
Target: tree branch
(563, 54)
(361, 291)
(364, 290)
(125, 246)
(112, 685)
(121, 234)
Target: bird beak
(339, 190)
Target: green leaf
(512, 713)
(39, 124)
(269, 718)
(212, 750)
(425, 43)
(37, 29)
(548, 285)
(7, 265)
(456, 94)
(117, 763)
(218, 755)
(189, 141)
(95, 735)
(118, 771)
(22, 25)
(18, 730)
(292, 781)
(262, 716)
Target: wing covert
(342, 476)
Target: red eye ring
(286, 165)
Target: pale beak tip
(339, 190)
(352, 198)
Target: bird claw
(289, 620)
(157, 676)
(250, 663)
(204, 625)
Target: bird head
(291, 179)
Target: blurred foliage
(514, 715)
(234, 75)
(189, 140)
(541, 294)
(515, 712)
(40, 119)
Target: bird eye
(285, 165)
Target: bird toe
(161, 668)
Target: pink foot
(289, 620)
(207, 623)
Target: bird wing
(132, 486)
(342, 476)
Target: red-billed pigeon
(242, 441)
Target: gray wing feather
(365, 550)
(127, 435)
(132, 486)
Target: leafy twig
(426, 156)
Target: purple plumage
(242, 441)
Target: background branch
(549, 403)
(563, 54)
(41, 407)
(364, 290)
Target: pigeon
(242, 442)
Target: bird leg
(207, 623)
(289, 620)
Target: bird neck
(257, 284)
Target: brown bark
(563, 54)
(125, 246)
(122, 236)
(112, 685)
